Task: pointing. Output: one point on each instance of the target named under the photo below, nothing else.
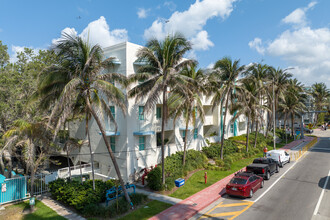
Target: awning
(116, 61)
(111, 133)
(143, 133)
(189, 128)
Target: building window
(141, 115)
(195, 109)
(195, 133)
(223, 110)
(113, 111)
(159, 139)
(113, 143)
(183, 135)
(231, 128)
(158, 113)
(142, 141)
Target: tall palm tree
(222, 83)
(258, 73)
(320, 94)
(79, 82)
(280, 79)
(164, 61)
(246, 105)
(185, 99)
(294, 101)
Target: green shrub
(154, 179)
(79, 195)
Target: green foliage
(174, 169)
(155, 179)
(320, 118)
(79, 195)
(97, 210)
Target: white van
(280, 156)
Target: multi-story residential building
(136, 144)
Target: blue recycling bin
(179, 182)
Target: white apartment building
(136, 144)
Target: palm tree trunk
(285, 119)
(247, 133)
(292, 119)
(185, 140)
(256, 135)
(112, 156)
(224, 126)
(90, 149)
(81, 177)
(67, 157)
(163, 134)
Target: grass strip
(196, 182)
(147, 211)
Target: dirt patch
(11, 213)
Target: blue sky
(280, 33)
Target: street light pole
(274, 117)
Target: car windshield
(260, 161)
(238, 181)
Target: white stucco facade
(135, 143)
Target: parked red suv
(244, 184)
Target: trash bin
(179, 182)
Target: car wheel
(262, 184)
(277, 169)
(281, 164)
(268, 175)
(289, 160)
(251, 193)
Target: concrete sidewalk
(189, 207)
(159, 197)
(59, 209)
(195, 203)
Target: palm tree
(78, 82)
(258, 73)
(164, 61)
(222, 83)
(320, 94)
(280, 79)
(185, 99)
(294, 100)
(34, 138)
(246, 105)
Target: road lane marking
(240, 212)
(235, 204)
(321, 196)
(225, 214)
(234, 214)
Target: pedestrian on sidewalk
(265, 151)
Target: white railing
(75, 170)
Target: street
(298, 191)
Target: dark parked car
(244, 184)
(264, 167)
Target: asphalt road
(291, 194)
(297, 193)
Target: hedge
(78, 195)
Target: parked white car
(280, 156)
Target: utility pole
(274, 117)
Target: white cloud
(210, 66)
(18, 49)
(142, 13)
(257, 44)
(98, 32)
(305, 49)
(191, 22)
(201, 41)
(298, 16)
(170, 5)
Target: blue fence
(13, 189)
(19, 187)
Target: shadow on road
(322, 182)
